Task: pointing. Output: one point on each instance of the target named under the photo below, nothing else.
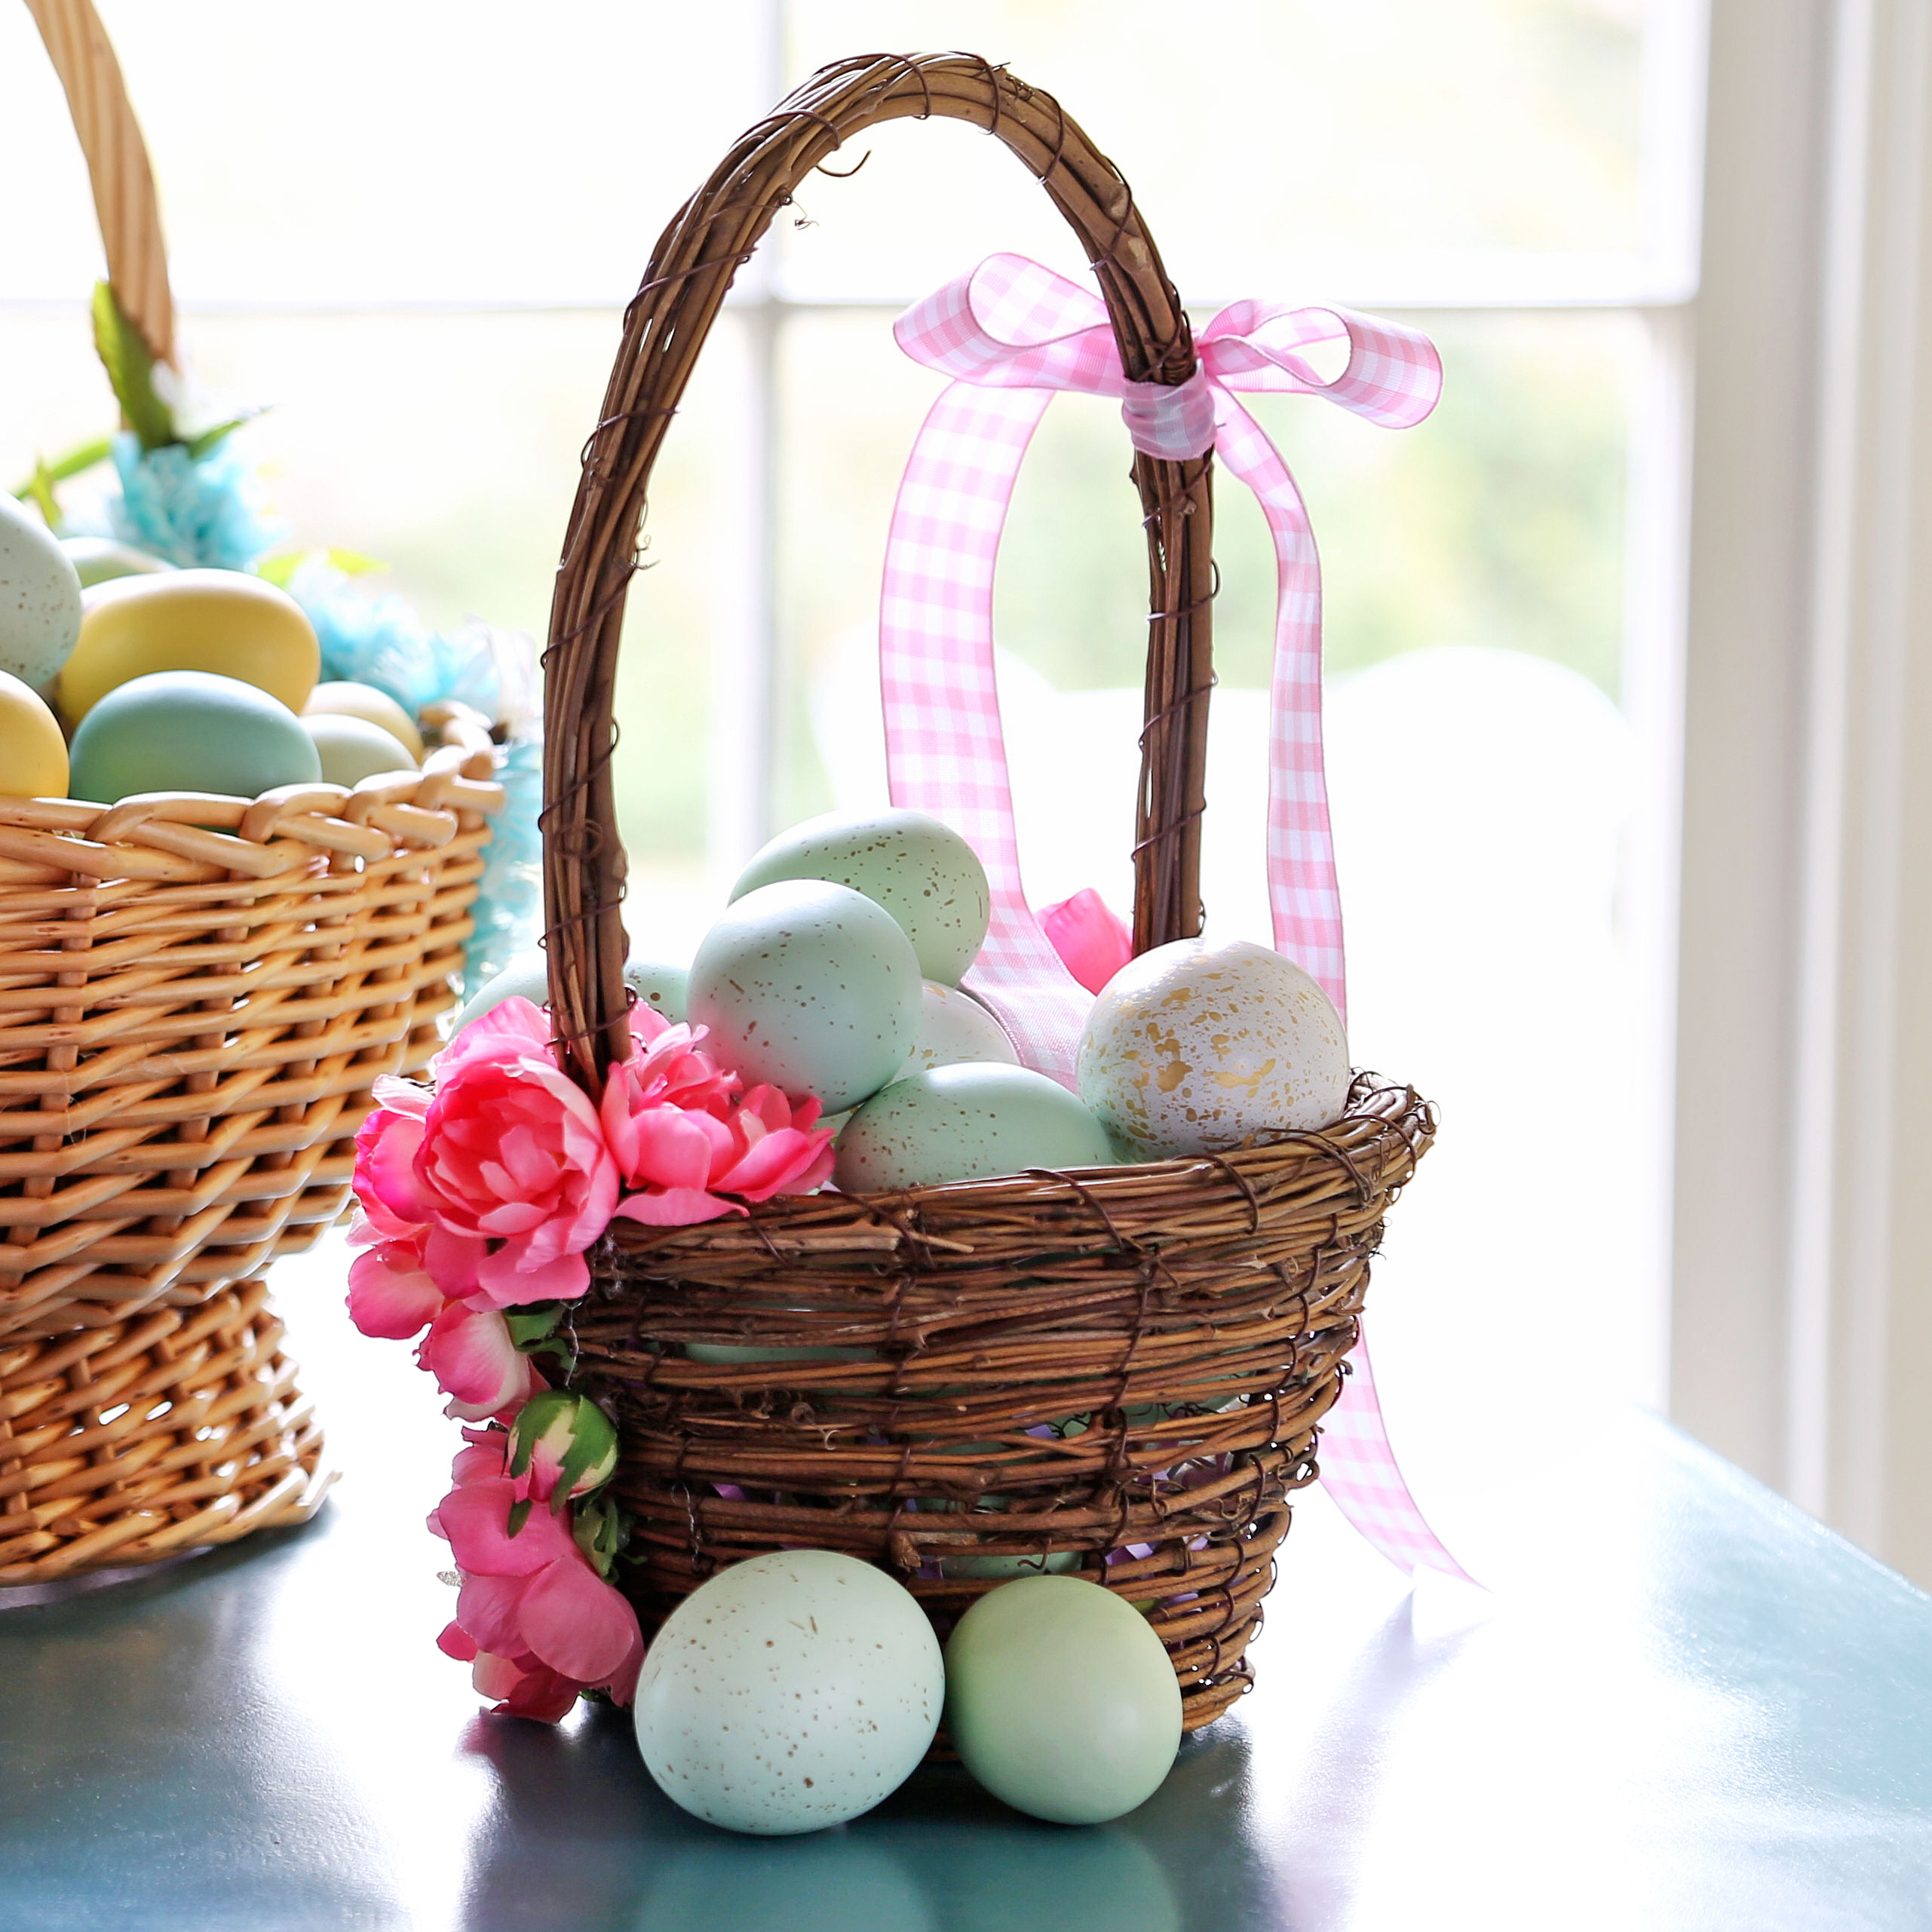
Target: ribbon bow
(1009, 334)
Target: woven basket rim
(1380, 1112)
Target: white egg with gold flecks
(1193, 1049)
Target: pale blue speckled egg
(810, 986)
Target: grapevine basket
(195, 994)
(1118, 1371)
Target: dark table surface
(1683, 1706)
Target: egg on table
(189, 731)
(657, 983)
(352, 749)
(33, 753)
(954, 1028)
(790, 1692)
(222, 622)
(811, 986)
(964, 1123)
(40, 597)
(1192, 1049)
(1061, 1700)
(343, 697)
(922, 871)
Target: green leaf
(210, 439)
(280, 570)
(353, 563)
(519, 1514)
(535, 1323)
(130, 369)
(38, 488)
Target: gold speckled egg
(1192, 1049)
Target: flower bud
(565, 1443)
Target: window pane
(1262, 138)
(446, 446)
(346, 151)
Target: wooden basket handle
(665, 326)
(117, 159)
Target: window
(414, 242)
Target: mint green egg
(658, 984)
(1061, 1700)
(967, 1122)
(189, 731)
(810, 986)
(921, 870)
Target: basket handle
(117, 159)
(664, 327)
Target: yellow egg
(343, 698)
(220, 621)
(33, 755)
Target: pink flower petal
(470, 1353)
(774, 1164)
(391, 1302)
(457, 1642)
(489, 1609)
(475, 1518)
(675, 1207)
(513, 1277)
(1090, 939)
(671, 1149)
(575, 1622)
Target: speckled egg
(343, 697)
(810, 986)
(223, 622)
(790, 1692)
(1190, 1049)
(657, 982)
(1060, 1700)
(40, 597)
(188, 731)
(352, 749)
(33, 754)
(922, 872)
(966, 1123)
(955, 1028)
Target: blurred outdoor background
(409, 226)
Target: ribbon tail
(1304, 900)
(1359, 1470)
(945, 747)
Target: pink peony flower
(511, 1166)
(533, 1614)
(682, 1162)
(1090, 937)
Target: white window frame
(1802, 1342)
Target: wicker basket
(1119, 1370)
(195, 994)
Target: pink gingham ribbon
(1009, 334)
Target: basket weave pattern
(196, 993)
(1120, 1370)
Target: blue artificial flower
(195, 511)
(380, 641)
